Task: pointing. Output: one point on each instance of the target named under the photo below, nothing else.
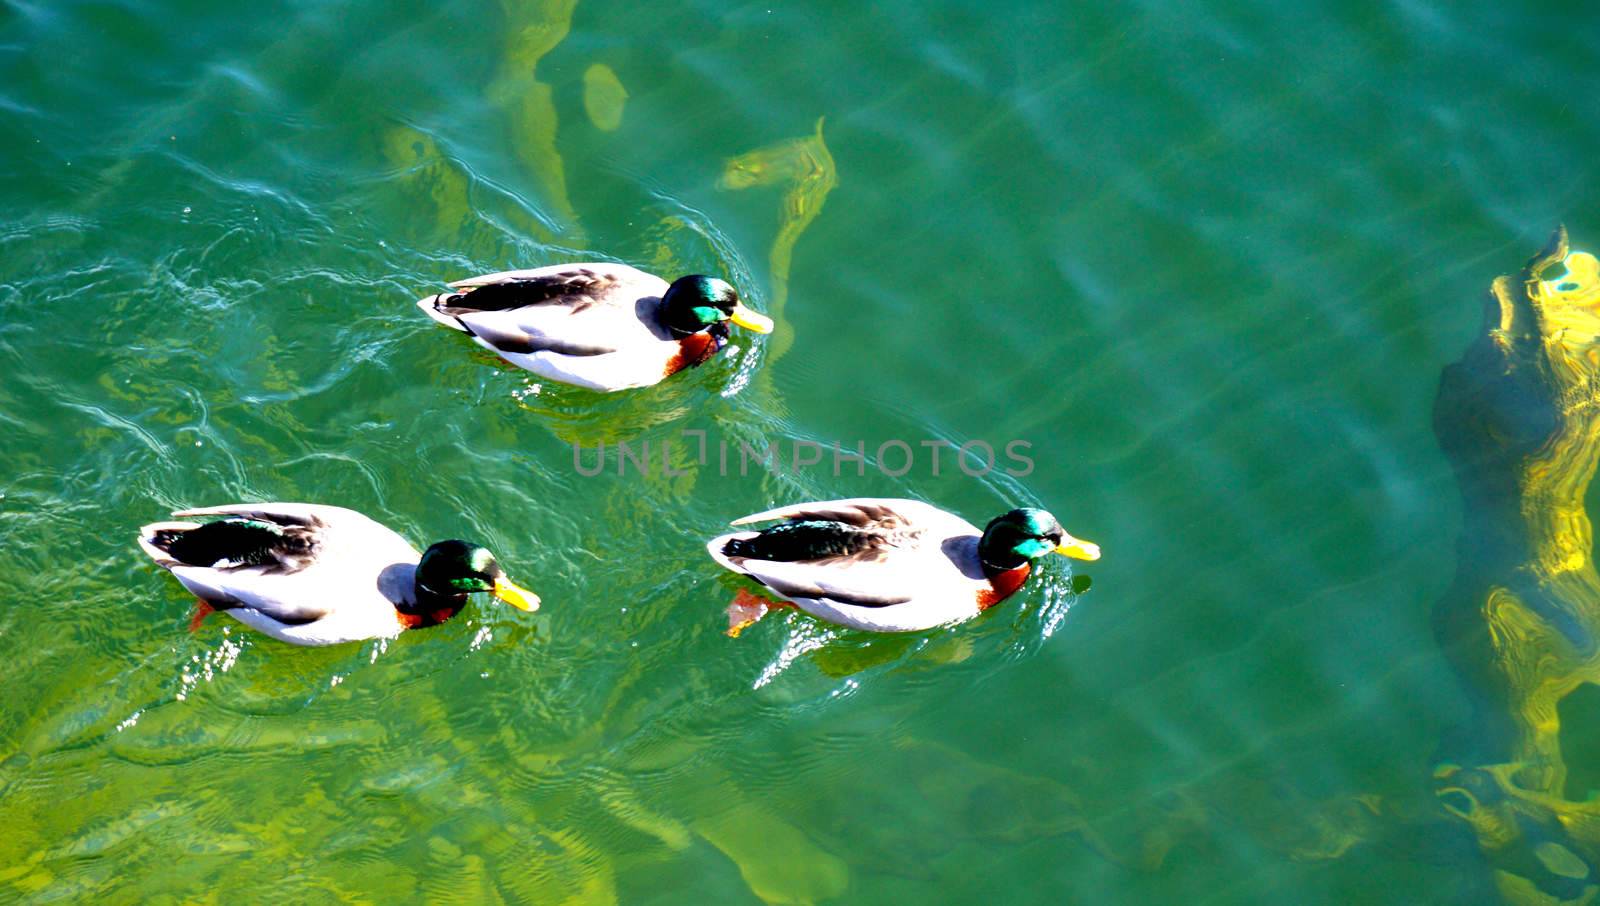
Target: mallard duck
(892, 565)
(320, 575)
(601, 326)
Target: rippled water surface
(1207, 259)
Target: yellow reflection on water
(603, 97)
(805, 168)
(1520, 418)
(533, 29)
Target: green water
(1208, 259)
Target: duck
(888, 565)
(311, 574)
(605, 327)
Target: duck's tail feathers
(723, 548)
(431, 306)
(157, 537)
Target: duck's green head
(455, 568)
(1026, 534)
(697, 302)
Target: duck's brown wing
(575, 310)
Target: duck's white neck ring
(992, 570)
(436, 593)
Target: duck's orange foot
(746, 609)
(201, 611)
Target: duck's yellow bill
(751, 320)
(1079, 549)
(513, 594)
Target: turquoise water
(1209, 262)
